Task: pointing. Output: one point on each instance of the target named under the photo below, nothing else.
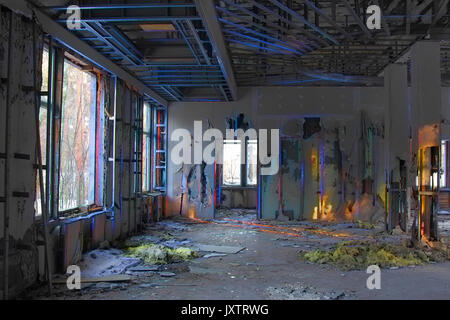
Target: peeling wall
(69, 237)
(339, 110)
(352, 136)
(17, 144)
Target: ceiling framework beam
(292, 24)
(387, 30)
(207, 12)
(132, 20)
(304, 21)
(83, 49)
(278, 30)
(327, 19)
(440, 12)
(408, 17)
(126, 6)
(199, 41)
(357, 18)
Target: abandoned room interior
(224, 149)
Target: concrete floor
(268, 267)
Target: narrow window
(444, 164)
(43, 112)
(146, 148)
(251, 162)
(78, 132)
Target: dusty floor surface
(268, 267)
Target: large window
(78, 133)
(43, 115)
(72, 132)
(233, 170)
(146, 148)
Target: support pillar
(426, 131)
(397, 150)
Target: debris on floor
(159, 254)
(351, 255)
(219, 249)
(242, 256)
(301, 292)
(111, 278)
(211, 255)
(98, 263)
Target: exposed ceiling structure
(163, 44)
(170, 45)
(325, 42)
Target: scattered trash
(158, 254)
(364, 225)
(350, 255)
(104, 245)
(140, 240)
(144, 268)
(111, 278)
(300, 292)
(150, 285)
(106, 262)
(214, 255)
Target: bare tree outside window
(77, 160)
(232, 162)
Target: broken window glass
(77, 153)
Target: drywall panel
(291, 179)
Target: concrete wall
(17, 149)
(279, 108)
(245, 198)
(340, 108)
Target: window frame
(58, 55)
(44, 152)
(97, 203)
(444, 177)
(244, 166)
(147, 138)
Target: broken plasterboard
(218, 249)
(111, 278)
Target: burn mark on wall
(203, 184)
(190, 179)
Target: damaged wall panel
(19, 39)
(339, 143)
(183, 115)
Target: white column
(426, 93)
